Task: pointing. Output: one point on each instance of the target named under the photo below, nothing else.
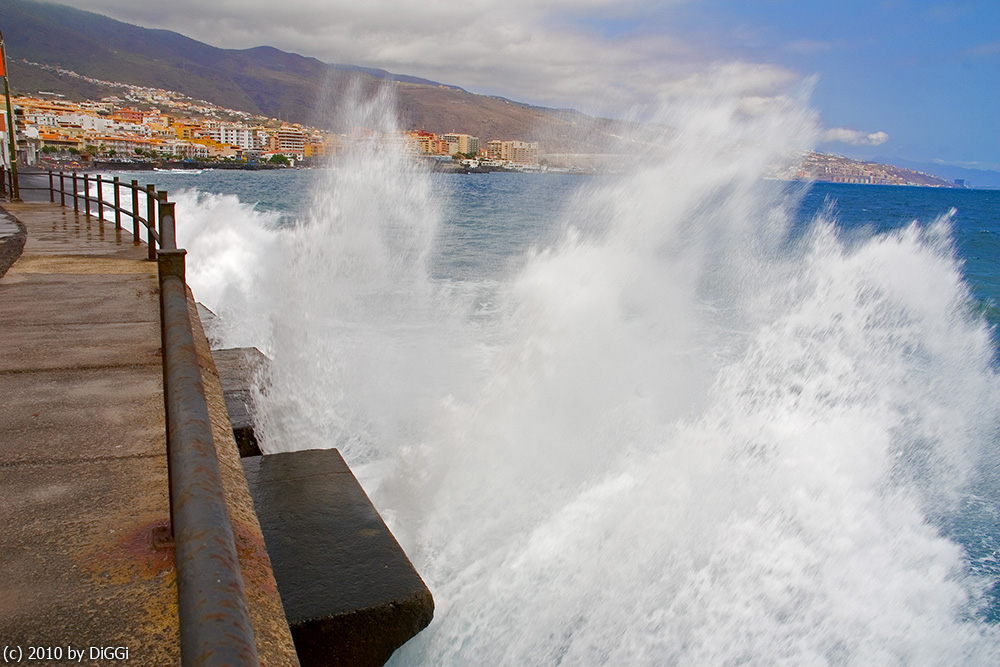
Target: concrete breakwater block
(350, 594)
(239, 368)
(208, 324)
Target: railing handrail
(215, 627)
(215, 620)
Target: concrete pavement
(85, 556)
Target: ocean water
(681, 415)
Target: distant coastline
(177, 165)
(826, 168)
(858, 176)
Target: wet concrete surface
(84, 504)
(82, 445)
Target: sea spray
(707, 440)
(686, 432)
(361, 342)
(234, 252)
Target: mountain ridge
(264, 80)
(267, 81)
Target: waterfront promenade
(86, 559)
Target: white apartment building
(185, 149)
(289, 141)
(89, 122)
(131, 128)
(248, 138)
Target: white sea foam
(687, 436)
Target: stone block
(350, 594)
(239, 369)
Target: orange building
(128, 115)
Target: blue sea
(684, 415)
(494, 217)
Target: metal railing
(215, 627)
(7, 185)
(79, 193)
(215, 621)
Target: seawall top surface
(84, 506)
(83, 494)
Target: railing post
(3, 181)
(62, 188)
(76, 200)
(168, 231)
(52, 188)
(161, 199)
(118, 204)
(151, 219)
(135, 212)
(100, 199)
(86, 194)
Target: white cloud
(854, 137)
(522, 49)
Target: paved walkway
(83, 468)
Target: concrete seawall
(86, 478)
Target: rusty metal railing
(215, 627)
(215, 621)
(7, 184)
(75, 187)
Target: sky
(902, 79)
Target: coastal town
(140, 124)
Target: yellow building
(38, 105)
(461, 143)
(185, 128)
(55, 139)
(427, 143)
(318, 146)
